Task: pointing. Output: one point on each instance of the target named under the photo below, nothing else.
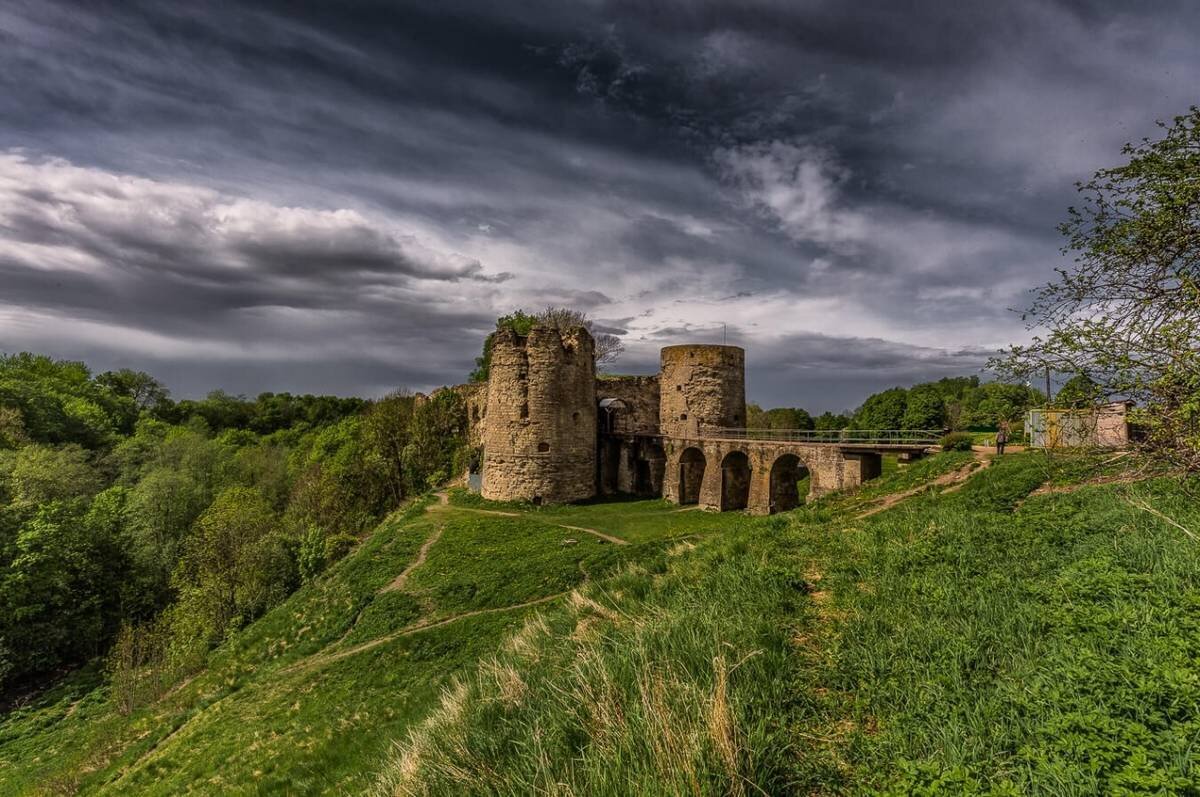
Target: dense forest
(166, 525)
(953, 403)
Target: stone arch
(614, 414)
(735, 481)
(691, 475)
(786, 471)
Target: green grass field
(974, 637)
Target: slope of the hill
(308, 698)
(981, 633)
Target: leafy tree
(235, 566)
(59, 589)
(519, 322)
(40, 474)
(60, 402)
(1078, 392)
(828, 421)
(1127, 311)
(756, 417)
(788, 418)
(385, 429)
(145, 391)
(608, 346)
(12, 428)
(883, 410)
(994, 402)
(925, 408)
(437, 433)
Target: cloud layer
(305, 198)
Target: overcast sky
(308, 198)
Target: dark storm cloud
(342, 199)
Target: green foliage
(59, 402)
(146, 392)
(519, 322)
(777, 418)
(1078, 392)
(957, 441)
(106, 520)
(956, 403)
(1127, 310)
(882, 410)
(608, 347)
(924, 408)
(831, 421)
(234, 566)
(39, 474)
(60, 585)
(986, 640)
(788, 418)
(994, 402)
(436, 434)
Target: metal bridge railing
(906, 437)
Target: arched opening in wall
(789, 483)
(735, 481)
(651, 464)
(691, 475)
(614, 415)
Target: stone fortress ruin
(551, 430)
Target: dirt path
(422, 554)
(444, 501)
(952, 481)
(595, 533)
(319, 660)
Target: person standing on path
(1001, 436)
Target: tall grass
(653, 683)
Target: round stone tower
(701, 385)
(539, 439)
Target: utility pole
(1047, 387)
(724, 334)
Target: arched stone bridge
(758, 470)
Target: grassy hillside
(1002, 629)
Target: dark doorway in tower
(789, 483)
(691, 475)
(735, 481)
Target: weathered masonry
(552, 431)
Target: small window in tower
(679, 387)
(575, 417)
(525, 410)
(683, 416)
(543, 447)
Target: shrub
(957, 441)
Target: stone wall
(539, 429)
(708, 464)
(701, 386)
(640, 395)
(474, 398)
(631, 465)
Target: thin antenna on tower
(724, 334)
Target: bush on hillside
(957, 441)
